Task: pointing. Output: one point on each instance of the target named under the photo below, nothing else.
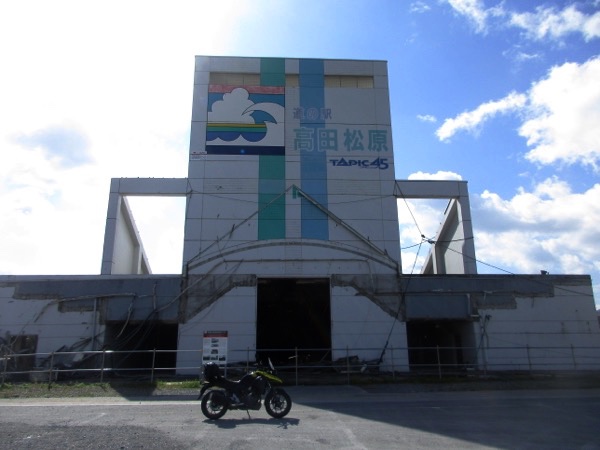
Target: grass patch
(187, 384)
(56, 389)
(92, 388)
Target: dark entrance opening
(443, 344)
(141, 347)
(293, 313)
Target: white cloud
(560, 114)
(64, 144)
(519, 56)
(550, 228)
(91, 92)
(474, 10)
(543, 23)
(439, 175)
(49, 212)
(547, 22)
(471, 120)
(427, 118)
(523, 56)
(419, 7)
(562, 125)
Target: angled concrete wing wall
(453, 252)
(123, 248)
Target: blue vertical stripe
(313, 162)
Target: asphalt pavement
(322, 417)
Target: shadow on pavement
(230, 423)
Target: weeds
(112, 388)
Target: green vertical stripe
(271, 171)
(271, 184)
(272, 72)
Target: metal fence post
(296, 363)
(439, 362)
(529, 359)
(393, 368)
(153, 363)
(102, 366)
(5, 368)
(50, 369)
(347, 365)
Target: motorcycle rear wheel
(214, 404)
(278, 403)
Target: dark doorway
(440, 344)
(134, 346)
(293, 313)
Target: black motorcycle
(218, 394)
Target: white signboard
(214, 347)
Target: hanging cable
(236, 226)
(536, 280)
(400, 303)
(410, 211)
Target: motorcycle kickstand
(248, 412)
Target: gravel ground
(25, 436)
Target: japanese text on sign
(324, 139)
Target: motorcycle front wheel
(214, 404)
(278, 403)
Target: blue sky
(505, 95)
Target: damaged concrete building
(292, 249)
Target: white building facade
(292, 246)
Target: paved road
(323, 417)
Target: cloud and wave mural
(246, 120)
